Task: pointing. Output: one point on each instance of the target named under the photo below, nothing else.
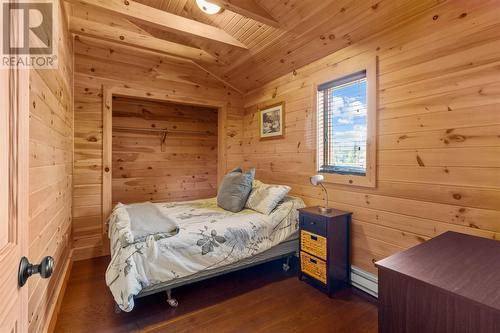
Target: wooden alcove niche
(147, 96)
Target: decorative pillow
(264, 198)
(234, 190)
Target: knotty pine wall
(150, 166)
(97, 64)
(439, 103)
(50, 174)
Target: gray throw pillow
(234, 190)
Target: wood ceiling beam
(84, 27)
(248, 8)
(164, 20)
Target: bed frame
(286, 249)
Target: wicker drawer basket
(313, 244)
(313, 266)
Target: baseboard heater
(365, 281)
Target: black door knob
(26, 269)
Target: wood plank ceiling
(243, 52)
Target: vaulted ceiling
(250, 42)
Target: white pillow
(264, 198)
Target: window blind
(342, 125)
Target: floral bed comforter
(208, 237)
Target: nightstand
(324, 248)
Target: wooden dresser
(450, 283)
(324, 248)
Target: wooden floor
(259, 299)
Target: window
(345, 128)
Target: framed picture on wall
(272, 121)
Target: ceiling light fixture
(207, 7)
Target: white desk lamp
(318, 180)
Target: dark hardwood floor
(258, 299)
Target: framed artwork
(272, 121)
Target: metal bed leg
(171, 301)
(116, 308)
(286, 264)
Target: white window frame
(341, 70)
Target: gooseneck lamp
(318, 180)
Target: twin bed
(208, 241)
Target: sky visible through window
(348, 127)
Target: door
(13, 196)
